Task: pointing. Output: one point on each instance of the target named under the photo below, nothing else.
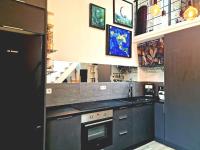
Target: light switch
(103, 87)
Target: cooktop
(140, 100)
(99, 105)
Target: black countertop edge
(54, 112)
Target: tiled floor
(154, 146)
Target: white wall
(150, 74)
(75, 40)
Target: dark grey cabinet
(37, 3)
(19, 16)
(159, 121)
(182, 80)
(64, 133)
(143, 123)
(122, 129)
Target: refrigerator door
(21, 90)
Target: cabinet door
(182, 113)
(122, 129)
(143, 124)
(159, 122)
(22, 17)
(64, 133)
(149, 122)
(138, 125)
(38, 3)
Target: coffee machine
(149, 90)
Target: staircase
(60, 71)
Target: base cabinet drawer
(17, 15)
(122, 139)
(64, 134)
(122, 129)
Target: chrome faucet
(130, 91)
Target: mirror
(72, 72)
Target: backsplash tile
(63, 94)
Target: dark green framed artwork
(123, 13)
(97, 17)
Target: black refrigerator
(22, 80)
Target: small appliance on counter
(149, 90)
(161, 93)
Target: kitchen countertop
(87, 107)
(64, 111)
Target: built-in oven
(96, 132)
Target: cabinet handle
(21, 1)
(123, 133)
(63, 118)
(96, 123)
(15, 28)
(123, 117)
(163, 108)
(123, 108)
(38, 127)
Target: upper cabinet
(37, 3)
(19, 16)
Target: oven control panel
(96, 116)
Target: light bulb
(190, 13)
(155, 10)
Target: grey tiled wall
(84, 92)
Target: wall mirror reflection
(73, 72)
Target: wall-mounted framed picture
(97, 17)
(123, 13)
(118, 41)
(151, 53)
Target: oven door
(96, 135)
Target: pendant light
(191, 12)
(181, 11)
(163, 11)
(155, 9)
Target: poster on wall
(151, 53)
(118, 41)
(97, 17)
(123, 13)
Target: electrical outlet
(48, 91)
(103, 87)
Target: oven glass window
(97, 132)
